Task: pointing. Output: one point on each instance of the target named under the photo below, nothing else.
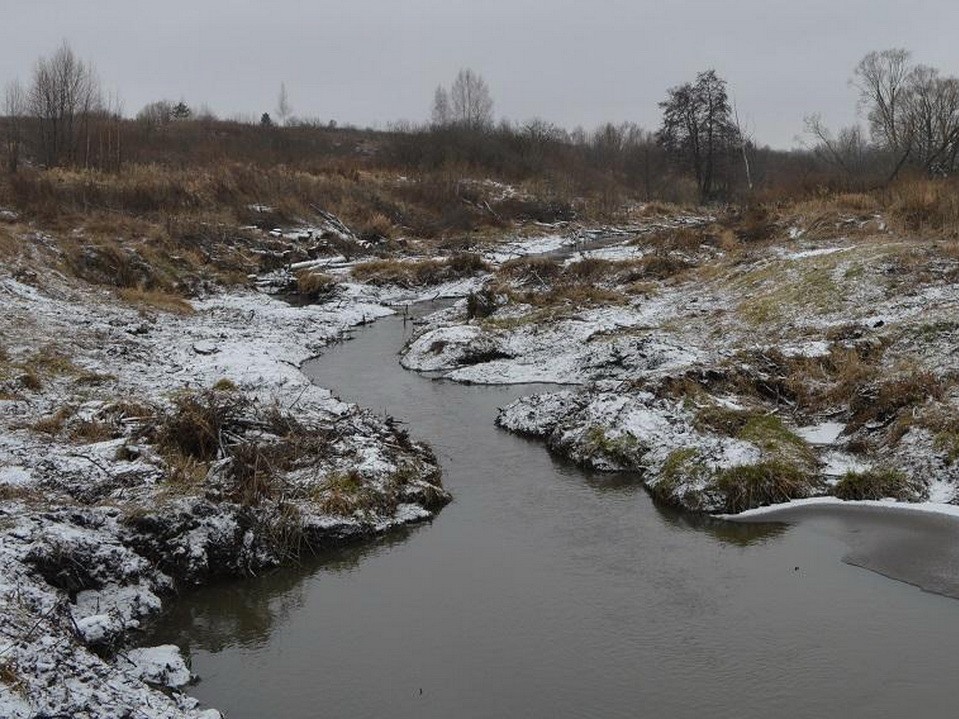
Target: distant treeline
(699, 153)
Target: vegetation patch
(810, 290)
(775, 439)
(758, 485)
(419, 273)
(343, 494)
(682, 479)
(315, 285)
(623, 450)
(156, 300)
(194, 428)
(879, 484)
(881, 402)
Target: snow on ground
(770, 512)
(820, 434)
(813, 304)
(86, 527)
(514, 249)
(613, 253)
(597, 343)
(161, 666)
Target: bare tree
(64, 95)
(15, 108)
(283, 109)
(913, 111)
(745, 142)
(698, 129)
(441, 107)
(471, 105)
(882, 79)
(847, 150)
(932, 114)
(157, 113)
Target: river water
(545, 591)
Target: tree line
(63, 118)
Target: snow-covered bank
(790, 508)
(729, 376)
(107, 509)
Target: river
(547, 591)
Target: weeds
(10, 676)
(343, 494)
(624, 450)
(195, 426)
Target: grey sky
(575, 63)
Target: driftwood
(336, 223)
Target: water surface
(544, 591)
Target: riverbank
(732, 373)
(544, 587)
(151, 443)
(145, 450)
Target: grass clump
(343, 494)
(721, 420)
(881, 402)
(10, 676)
(757, 485)
(878, 484)
(948, 441)
(775, 439)
(54, 423)
(315, 285)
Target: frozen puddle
(823, 434)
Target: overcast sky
(368, 62)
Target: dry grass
(193, 428)
(344, 494)
(10, 676)
(156, 300)
(315, 285)
(10, 246)
(184, 471)
(924, 205)
(883, 401)
(419, 273)
(53, 424)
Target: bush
(315, 285)
(194, 427)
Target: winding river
(546, 591)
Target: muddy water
(543, 591)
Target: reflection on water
(736, 533)
(243, 612)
